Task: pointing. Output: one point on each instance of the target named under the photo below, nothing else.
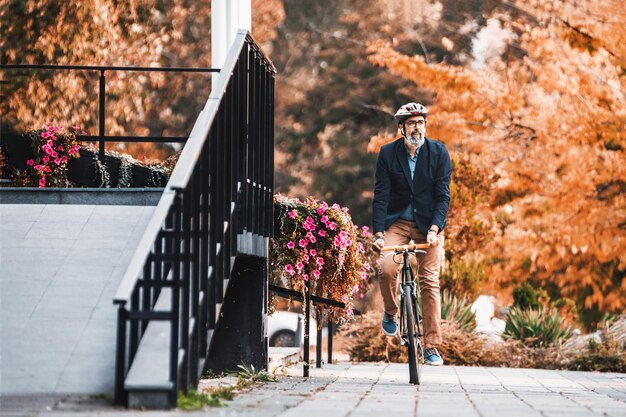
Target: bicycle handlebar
(412, 246)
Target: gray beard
(417, 142)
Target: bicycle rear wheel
(412, 337)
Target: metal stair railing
(220, 191)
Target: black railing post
(307, 320)
(204, 249)
(318, 345)
(176, 287)
(185, 263)
(101, 115)
(330, 340)
(120, 357)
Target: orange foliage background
(550, 124)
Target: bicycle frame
(410, 331)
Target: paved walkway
(381, 390)
(60, 266)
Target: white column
(231, 20)
(245, 15)
(219, 36)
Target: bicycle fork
(408, 280)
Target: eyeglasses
(413, 123)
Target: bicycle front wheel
(412, 337)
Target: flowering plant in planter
(53, 146)
(318, 243)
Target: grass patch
(250, 373)
(216, 397)
(195, 400)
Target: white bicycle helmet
(410, 110)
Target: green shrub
(463, 279)
(536, 327)
(525, 297)
(458, 310)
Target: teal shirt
(407, 214)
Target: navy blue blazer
(428, 192)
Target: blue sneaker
(390, 327)
(432, 357)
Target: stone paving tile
(381, 390)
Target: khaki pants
(400, 233)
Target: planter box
(146, 177)
(19, 150)
(85, 171)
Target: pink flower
(51, 128)
(46, 159)
(322, 233)
(303, 242)
(60, 148)
(319, 260)
(305, 277)
(290, 245)
(57, 161)
(349, 312)
(316, 274)
(366, 266)
(30, 162)
(344, 298)
(366, 232)
(345, 209)
(313, 252)
(47, 169)
(336, 206)
(42, 182)
(331, 225)
(38, 167)
(75, 127)
(54, 154)
(289, 270)
(324, 219)
(322, 209)
(305, 259)
(355, 289)
(64, 159)
(45, 135)
(363, 275)
(293, 214)
(83, 133)
(312, 239)
(299, 266)
(53, 137)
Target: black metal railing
(102, 137)
(217, 204)
(307, 301)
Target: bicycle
(410, 332)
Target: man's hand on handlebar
(432, 239)
(379, 242)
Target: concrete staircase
(60, 266)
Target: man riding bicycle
(411, 199)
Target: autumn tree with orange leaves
(167, 33)
(547, 117)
